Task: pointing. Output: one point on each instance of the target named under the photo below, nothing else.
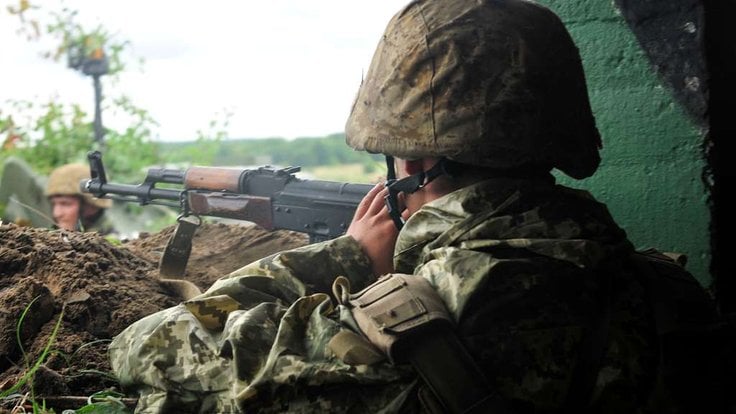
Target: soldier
(72, 209)
(487, 287)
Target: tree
(48, 134)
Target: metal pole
(99, 132)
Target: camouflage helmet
(493, 83)
(65, 180)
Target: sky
(280, 68)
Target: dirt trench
(102, 288)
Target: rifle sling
(452, 376)
(176, 255)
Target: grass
(107, 402)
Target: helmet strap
(408, 185)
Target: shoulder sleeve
(303, 270)
(103, 226)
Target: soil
(92, 289)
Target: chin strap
(408, 185)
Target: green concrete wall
(650, 175)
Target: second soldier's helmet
(65, 180)
(493, 83)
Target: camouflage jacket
(102, 225)
(523, 267)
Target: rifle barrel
(143, 193)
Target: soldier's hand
(374, 230)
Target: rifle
(272, 198)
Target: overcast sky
(285, 68)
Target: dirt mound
(218, 249)
(101, 288)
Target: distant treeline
(305, 152)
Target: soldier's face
(65, 210)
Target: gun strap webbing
(452, 376)
(176, 255)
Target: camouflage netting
(102, 288)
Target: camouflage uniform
(102, 225)
(521, 266)
(529, 271)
